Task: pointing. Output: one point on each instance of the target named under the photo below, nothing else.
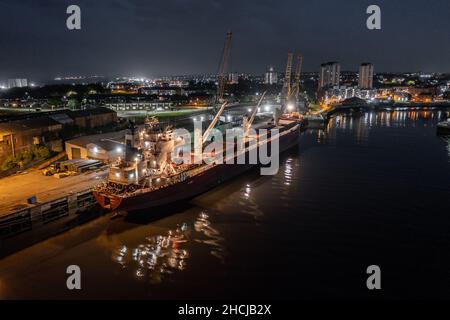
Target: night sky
(167, 37)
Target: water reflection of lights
(321, 134)
(247, 191)
(448, 146)
(288, 172)
(161, 255)
(392, 118)
(213, 237)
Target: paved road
(15, 190)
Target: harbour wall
(27, 226)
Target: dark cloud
(158, 37)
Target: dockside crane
(223, 69)
(296, 86)
(287, 89)
(291, 87)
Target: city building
(329, 75)
(17, 83)
(365, 80)
(271, 76)
(401, 96)
(339, 94)
(233, 78)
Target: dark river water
(369, 189)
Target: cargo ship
(148, 177)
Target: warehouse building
(105, 147)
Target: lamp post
(12, 146)
(136, 170)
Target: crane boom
(213, 122)
(255, 110)
(223, 67)
(298, 70)
(287, 76)
(287, 89)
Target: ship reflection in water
(165, 254)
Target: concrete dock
(15, 190)
(61, 205)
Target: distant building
(354, 101)
(271, 76)
(94, 117)
(140, 105)
(365, 80)
(233, 78)
(329, 75)
(401, 96)
(339, 94)
(162, 91)
(17, 83)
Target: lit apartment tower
(329, 75)
(271, 76)
(365, 76)
(233, 78)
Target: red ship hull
(189, 188)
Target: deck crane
(247, 123)
(213, 122)
(223, 67)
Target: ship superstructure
(147, 161)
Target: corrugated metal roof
(98, 138)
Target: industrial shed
(105, 147)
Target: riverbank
(386, 107)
